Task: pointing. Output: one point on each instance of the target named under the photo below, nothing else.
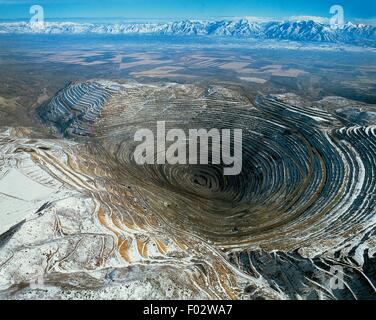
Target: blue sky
(177, 9)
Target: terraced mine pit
(302, 205)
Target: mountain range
(303, 30)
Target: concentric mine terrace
(303, 204)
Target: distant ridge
(299, 30)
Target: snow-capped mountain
(304, 30)
(301, 31)
(319, 32)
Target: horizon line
(259, 19)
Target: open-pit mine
(85, 221)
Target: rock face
(297, 223)
(305, 30)
(77, 107)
